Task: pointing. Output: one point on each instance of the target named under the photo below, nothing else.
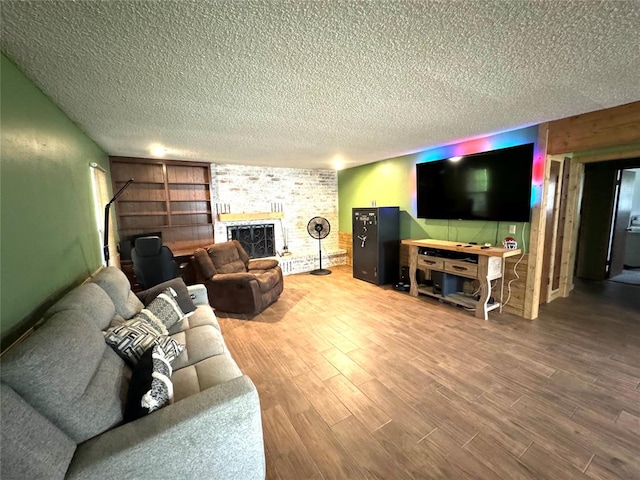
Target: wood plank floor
(363, 382)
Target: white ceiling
(295, 83)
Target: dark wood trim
(160, 161)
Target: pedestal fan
(319, 228)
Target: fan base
(320, 271)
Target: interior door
(595, 223)
(625, 190)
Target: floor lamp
(105, 249)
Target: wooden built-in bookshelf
(167, 196)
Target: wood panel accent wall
(611, 127)
(536, 237)
(562, 223)
(571, 226)
(345, 242)
(167, 196)
(516, 302)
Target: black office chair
(153, 263)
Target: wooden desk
(183, 254)
(490, 267)
(183, 258)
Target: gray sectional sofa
(63, 390)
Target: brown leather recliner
(235, 283)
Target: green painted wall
(49, 239)
(392, 183)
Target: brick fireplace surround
(302, 194)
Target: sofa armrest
(198, 294)
(216, 433)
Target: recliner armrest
(261, 264)
(216, 433)
(232, 278)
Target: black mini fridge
(376, 244)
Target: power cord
(515, 267)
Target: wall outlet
(512, 229)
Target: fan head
(318, 228)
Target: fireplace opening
(257, 240)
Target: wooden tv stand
(489, 266)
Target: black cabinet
(376, 244)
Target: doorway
(607, 236)
(625, 240)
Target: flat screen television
(494, 185)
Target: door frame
(566, 215)
(552, 204)
(574, 199)
(617, 241)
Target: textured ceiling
(295, 83)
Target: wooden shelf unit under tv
(489, 266)
(167, 196)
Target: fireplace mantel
(241, 217)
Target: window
(100, 199)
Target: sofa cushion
(201, 342)
(268, 279)
(65, 370)
(241, 252)
(233, 267)
(131, 339)
(205, 374)
(116, 321)
(32, 447)
(202, 316)
(113, 281)
(182, 294)
(205, 265)
(150, 387)
(91, 300)
(225, 258)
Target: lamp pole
(105, 249)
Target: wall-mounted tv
(494, 185)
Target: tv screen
(493, 185)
